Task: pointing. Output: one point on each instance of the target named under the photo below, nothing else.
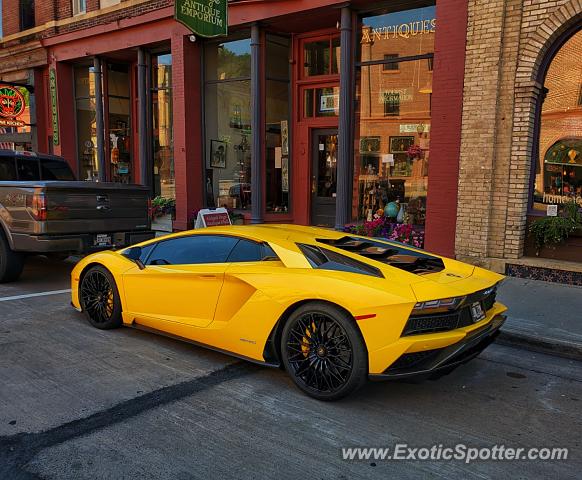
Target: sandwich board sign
(212, 217)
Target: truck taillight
(39, 206)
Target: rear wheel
(323, 351)
(100, 299)
(11, 262)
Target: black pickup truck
(44, 210)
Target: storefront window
(277, 124)
(227, 97)
(118, 85)
(394, 117)
(163, 144)
(558, 178)
(321, 57)
(86, 123)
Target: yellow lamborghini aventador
(332, 308)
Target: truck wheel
(11, 263)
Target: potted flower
(384, 227)
(414, 152)
(163, 212)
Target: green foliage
(162, 206)
(551, 231)
(232, 64)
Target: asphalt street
(80, 403)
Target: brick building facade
(510, 45)
(468, 88)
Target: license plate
(477, 312)
(102, 240)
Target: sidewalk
(542, 316)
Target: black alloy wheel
(100, 299)
(323, 352)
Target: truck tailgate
(87, 207)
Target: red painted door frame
(302, 159)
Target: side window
(193, 249)
(27, 169)
(145, 251)
(51, 169)
(246, 251)
(328, 260)
(269, 253)
(7, 169)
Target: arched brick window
(558, 164)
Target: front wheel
(323, 351)
(99, 298)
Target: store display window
(118, 94)
(86, 122)
(558, 174)
(162, 127)
(393, 118)
(227, 101)
(277, 138)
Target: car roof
(17, 153)
(277, 232)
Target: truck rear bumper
(80, 243)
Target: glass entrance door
(324, 177)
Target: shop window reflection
(321, 57)
(227, 98)
(86, 122)
(119, 123)
(277, 132)
(162, 126)
(558, 178)
(394, 118)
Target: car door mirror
(134, 254)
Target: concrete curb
(550, 346)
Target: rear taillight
(39, 211)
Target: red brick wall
(188, 162)
(447, 104)
(44, 11)
(10, 19)
(92, 5)
(64, 9)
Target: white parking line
(32, 295)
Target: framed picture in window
(370, 145)
(217, 154)
(400, 144)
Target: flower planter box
(412, 235)
(570, 250)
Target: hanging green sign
(205, 18)
(54, 105)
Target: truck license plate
(477, 312)
(103, 240)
